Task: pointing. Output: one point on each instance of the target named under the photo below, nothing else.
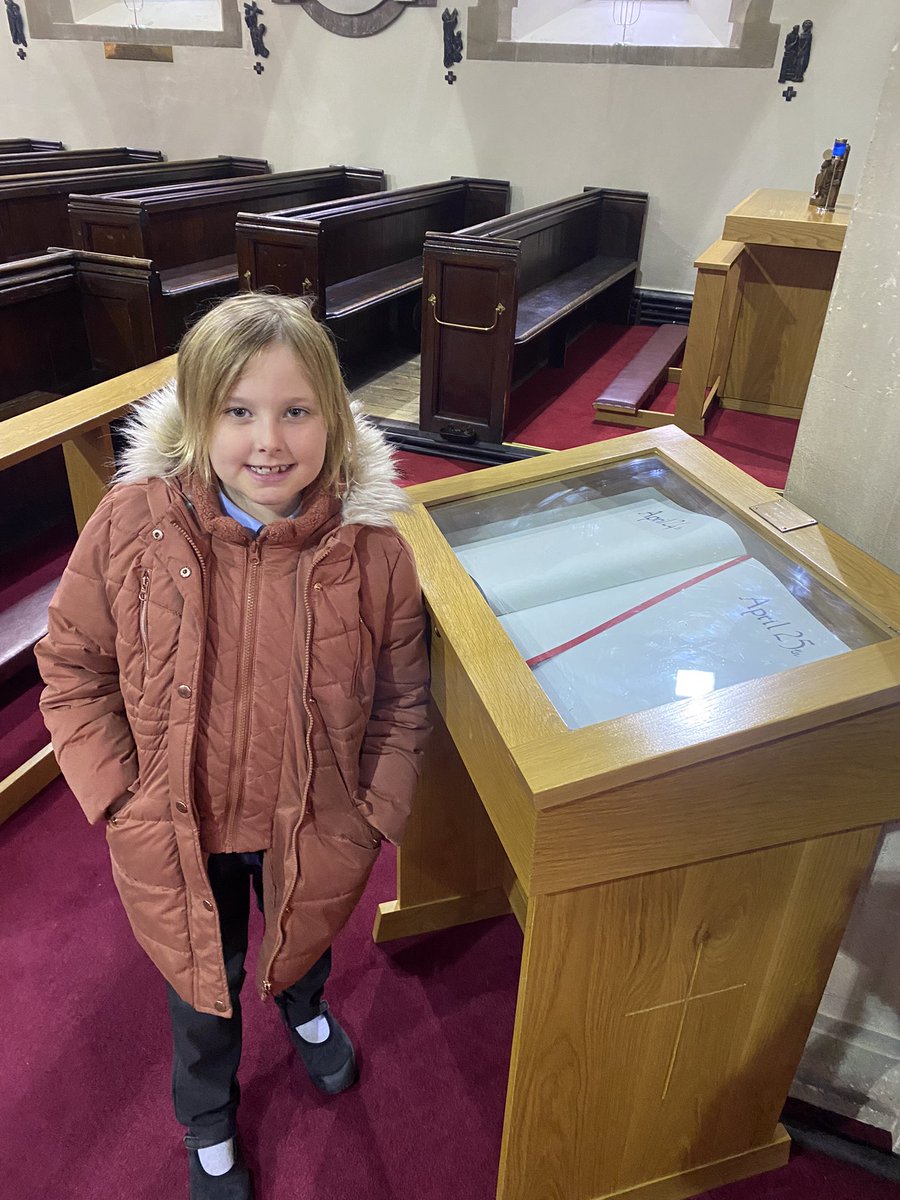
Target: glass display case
(626, 588)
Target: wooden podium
(683, 874)
(759, 306)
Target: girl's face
(269, 440)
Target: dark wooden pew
(504, 297)
(73, 160)
(27, 146)
(66, 442)
(185, 235)
(44, 350)
(357, 256)
(33, 208)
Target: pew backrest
(314, 248)
(44, 348)
(28, 146)
(193, 222)
(74, 160)
(33, 208)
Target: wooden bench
(73, 160)
(638, 383)
(56, 337)
(27, 146)
(504, 297)
(355, 256)
(33, 208)
(186, 234)
(80, 425)
(44, 351)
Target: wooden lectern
(759, 306)
(684, 872)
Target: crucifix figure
(252, 13)
(16, 24)
(453, 41)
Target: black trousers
(206, 1048)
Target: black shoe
(331, 1064)
(235, 1184)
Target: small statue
(823, 180)
(252, 13)
(830, 176)
(453, 42)
(804, 49)
(16, 24)
(790, 60)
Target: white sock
(218, 1159)
(314, 1031)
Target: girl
(236, 683)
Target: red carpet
(84, 1108)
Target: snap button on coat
(184, 691)
(208, 905)
(157, 535)
(184, 572)
(181, 806)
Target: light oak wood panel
(89, 465)
(710, 332)
(26, 781)
(450, 847)
(641, 1008)
(787, 790)
(785, 295)
(487, 759)
(772, 216)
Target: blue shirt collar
(230, 509)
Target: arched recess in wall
(206, 23)
(741, 34)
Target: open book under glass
(626, 588)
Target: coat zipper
(244, 687)
(143, 596)
(266, 990)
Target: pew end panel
(105, 227)
(485, 199)
(469, 307)
(278, 253)
(43, 340)
(123, 311)
(362, 180)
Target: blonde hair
(215, 353)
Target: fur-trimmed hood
(372, 498)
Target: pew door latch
(498, 312)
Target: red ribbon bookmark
(631, 612)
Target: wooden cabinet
(683, 872)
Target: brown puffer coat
(123, 664)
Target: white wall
(697, 139)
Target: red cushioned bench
(638, 383)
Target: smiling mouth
(268, 470)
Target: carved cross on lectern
(684, 1002)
